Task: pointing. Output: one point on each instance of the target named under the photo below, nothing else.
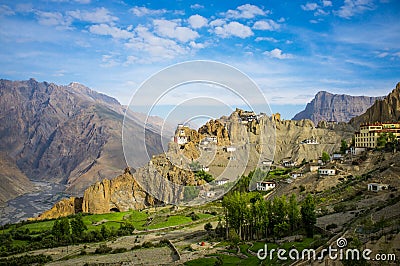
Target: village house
(312, 167)
(221, 182)
(288, 163)
(296, 174)
(377, 187)
(312, 140)
(326, 172)
(265, 185)
(337, 157)
(230, 149)
(180, 135)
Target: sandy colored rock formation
(385, 110)
(62, 208)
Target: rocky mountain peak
(335, 107)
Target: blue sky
(292, 49)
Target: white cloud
(383, 54)
(99, 15)
(171, 29)
(326, 3)
(141, 11)
(309, 6)
(269, 39)
(246, 11)
(130, 60)
(234, 29)
(104, 29)
(6, 11)
(277, 53)
(156, 47)
(53, 19)
(196, 45)
(266, 25)
(108, 61)
(197, 21)
(196, 6)
(217, 22)
(354, 7)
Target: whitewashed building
(326, 171)
(265, 185)
(377, 187)
(221, 181)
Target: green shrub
(103, 249)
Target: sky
(291, 49)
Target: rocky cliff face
(384, 110)
(62, 208)
(12, 181)
(335, 107)
(66, 134)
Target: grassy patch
(201, 262)
(171, 221)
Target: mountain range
(335, 107)
(68, 135)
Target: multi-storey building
(368, 135)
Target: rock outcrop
(335, 107)
(119, 194)
(62, 208)
(384, 110)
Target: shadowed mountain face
(385, 110)
(334, 107)
(66, 134)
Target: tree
(293, 213)
(77, 226)
(61, 229)
(204, 175)
(208, 227)
(382, 140)
(308, 215)
(343, 146)
(190, 192)
(325, 157)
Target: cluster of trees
(387, 141)
(249, 217)
(65, 231)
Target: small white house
(289, 163)
(210, 194)
(230, 149)
(265, 185)
(205, 169)
(310, 141)
(325, 171)
(221, 182)
(337, 156)
(181, 140)
(267, 163)
(296, 175)
(356, 150)
(377, 187)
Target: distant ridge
(335, 107)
